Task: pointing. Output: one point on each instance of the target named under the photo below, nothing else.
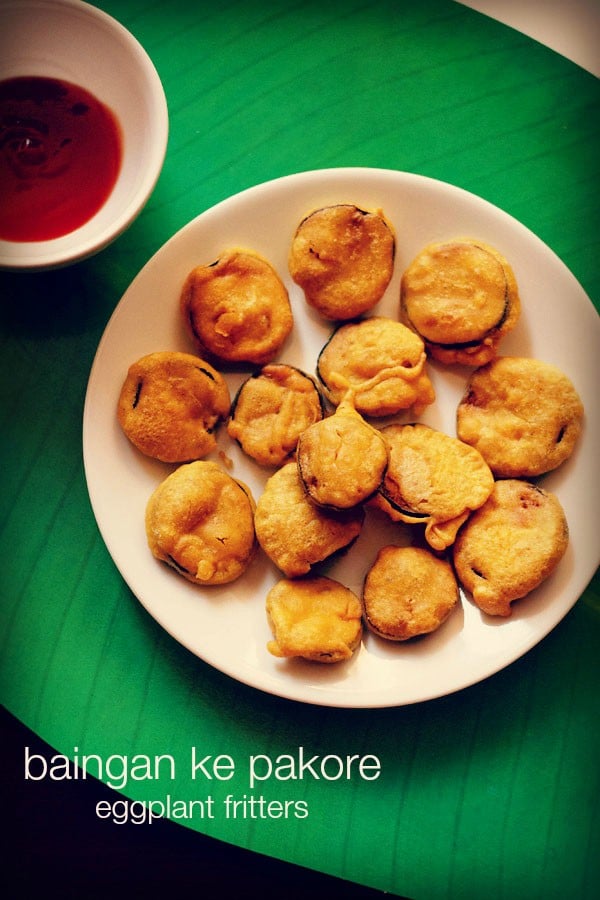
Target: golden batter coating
(462, 298)
(314, 618)
(341, 459)
(293, 532)
(237, 308)
(433, 479)
(200, 521)
(271, 410)
(343, 258)
(523, 415)
(171, 404)
(381, 362)
(408, 592)
(510, 545)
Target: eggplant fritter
(271, 410)
(293, 532)
(523, 415)
(382, 362)
(314, 618)
(171, 405)
(433, 479)
(200, 521)
(343, 258)
(341, 459)
(408, 591)
(462, 298)
(237, 308)
(510, 545)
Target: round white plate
(226, 626)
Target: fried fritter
(237, 308)
(341, 459)
(343, 258)
(433, 479)
(271, 410)
(510, 545)
(171, 404)
(200, 521)
(314, 618)
(462, 298)
(408, 591)
(293, 532)
(382, 362)
(523, 415)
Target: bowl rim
(58, 252)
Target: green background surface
(492, 791)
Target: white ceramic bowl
(76, 42)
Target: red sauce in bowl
(60, 155)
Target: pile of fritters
(475, 517)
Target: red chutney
(60, 155)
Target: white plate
(226, 626)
